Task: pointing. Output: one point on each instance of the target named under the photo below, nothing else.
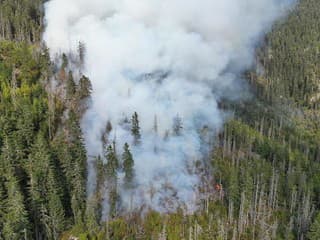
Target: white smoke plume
(160, 58)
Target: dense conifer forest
(265, 163)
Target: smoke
(167, 60)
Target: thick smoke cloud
(160, 58)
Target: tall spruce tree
(314, 232)
(77, 172)
(128, 165)
(111, 169)
(71, 86)
(16, 225)
(38, 167)
(135, 129)
(55, 206)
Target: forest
(265, 163)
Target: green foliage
(111, 170)
(128, 165)
(267, 162)
(314, 232)
(93, 214)
(71, 86)
(117, 229)
(43, 172)
(291, 60)
(112, 162)
(15, 218)
(21, 20)
(153, 224)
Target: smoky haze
(165, 60)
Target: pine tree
(64, 163)
(112, 162)
(177, 126)
(85, 87)
(128, 165)
(38, 166)
(55, 206)
(93, 214)
(77, 210)
(111, 168)
(314, 232)
(77, 171)
(65, 61)
(71, 86)
(135, 129)
(2, 202)
(26, 124)
(8, 154)
(106, 135)
(108, 127)
(81, 52)
(101, 173)
(16, 224)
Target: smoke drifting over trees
(166, 63)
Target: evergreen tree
(85, 87)
(112, 162)
(177, 126)
(26, 124)
(108, 127)
(38, 167)
(128, 165)
(65, 61)
(314, 232)
(101, 172)
(71, 86)
(8, 155)
(106, 134)
(16, 224)
(94, 202)
(2, 202)
(55, 206)
(81, 52)
(77, 172)
(135, 129)
(77, 210)
(21, 20)
(63, 163)
(111, 168)
(93, 214)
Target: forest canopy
(265, 163)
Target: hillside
(265, 163)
